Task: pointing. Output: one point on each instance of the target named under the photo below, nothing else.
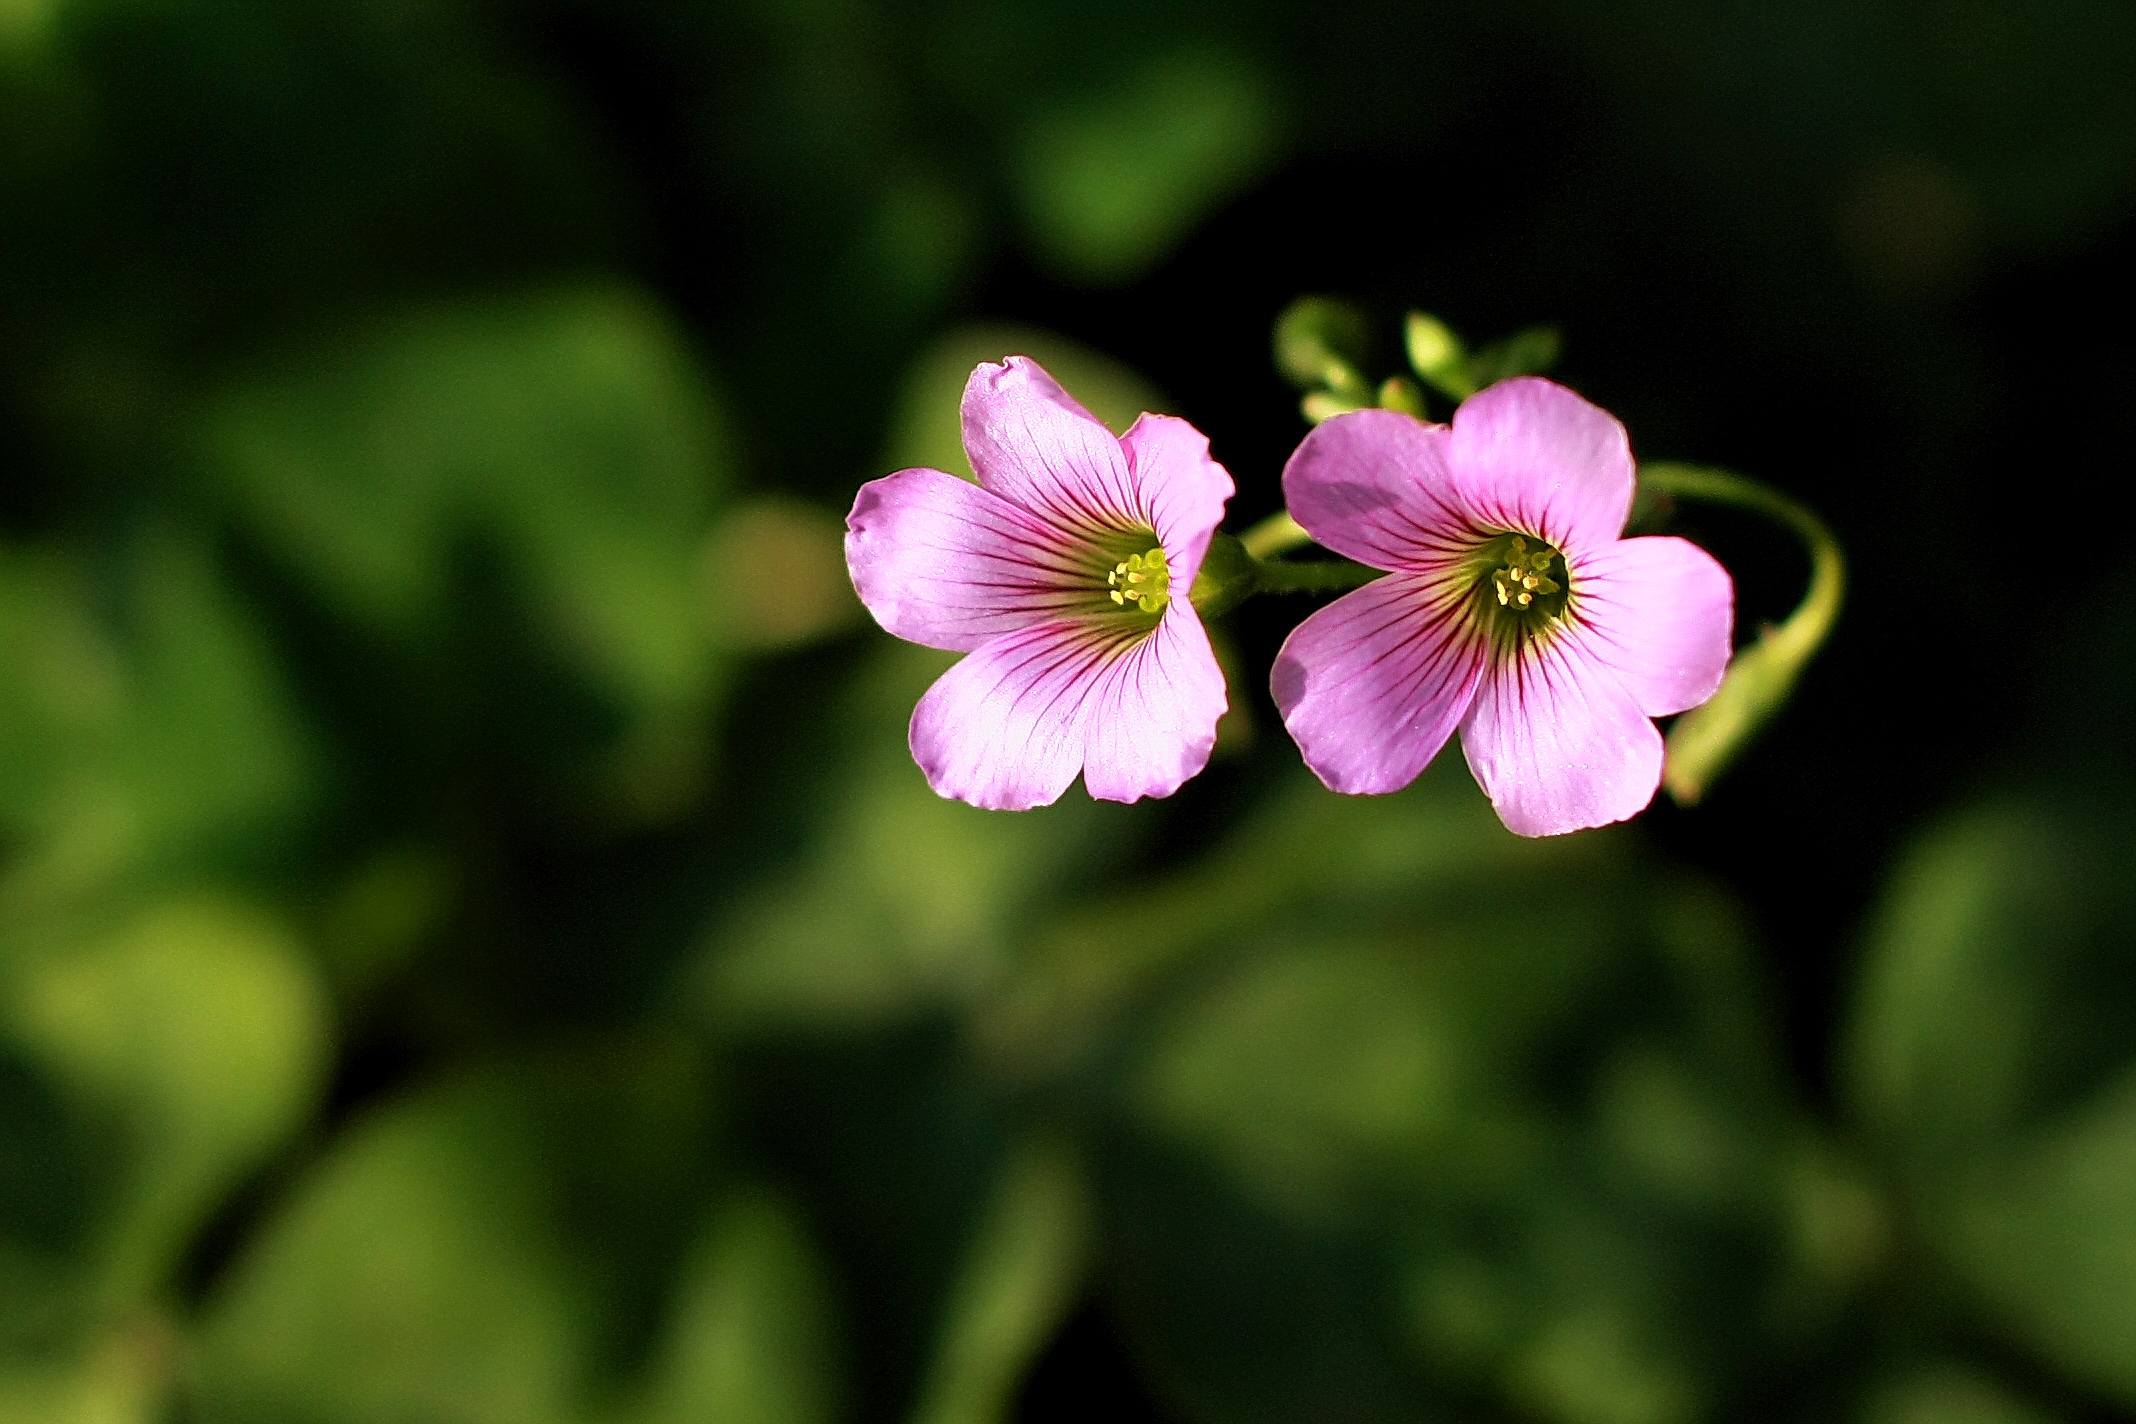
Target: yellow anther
(1523, 579)
(1141, 581)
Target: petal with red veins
(1153, 715)
(1372, 685)
(1377, 486)
(1558, 742)
(1660, 612)
(940, 561)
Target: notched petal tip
(1029, 441)
(1537, 457)
(1019, 378)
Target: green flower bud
(1319, 344)
(1436, 354)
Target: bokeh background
(474, 949)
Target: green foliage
(164, 734)
(1110, 178)
(752, 1335)
(1018, 1278)
(544, 463)
(1355, 1096)
(151, 1062)
(424, 431)
(461, 1255)
(1986, 1064)
(902, 899)
(1947, 1394)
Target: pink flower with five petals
(1063, 575)
(1513, 609)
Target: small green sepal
(1533, 352)
(1228, 577)
(1437, 356)
(1320, 344)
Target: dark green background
(474, 948)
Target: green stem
(1706, 739)
(1277, 534)
(1314, 576)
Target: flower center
(1522, 580)
(1141, 581)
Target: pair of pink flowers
(1512, 608)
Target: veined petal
(1532, 457)
(940, 561)
(1558, 742)
(1030, 441)
(1659, 611)
(1180, 487)
(1372, 685)
(1153, 715)
(1377, 486)
(1004, 728)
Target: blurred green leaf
(1017, 1280)
(154, 726)
(1978, 1014)
(1419, 1109)
(797, 589)
(1947, 1394)
(121, 1380)
(1321, 342)
(752, 1338)
(469, 1254)
(1437, 355)
(548, 462)
(1112, 176)
(902, 898)
(382, 913)
(1993, 1066)
(2047, 1239)
(195, 1036)
(1531, 352)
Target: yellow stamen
(1141, 581)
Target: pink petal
(940, 561)
(1557, 742)
(1183, 490)
(1153, 717)
(1659, 612)
(1028, 440)
(1531, 456)
(1372, 685)
(1004, 728)
(1376, 486)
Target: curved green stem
(1277, 534)
(1706, 739)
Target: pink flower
(1512, 609)
(1064, 574)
